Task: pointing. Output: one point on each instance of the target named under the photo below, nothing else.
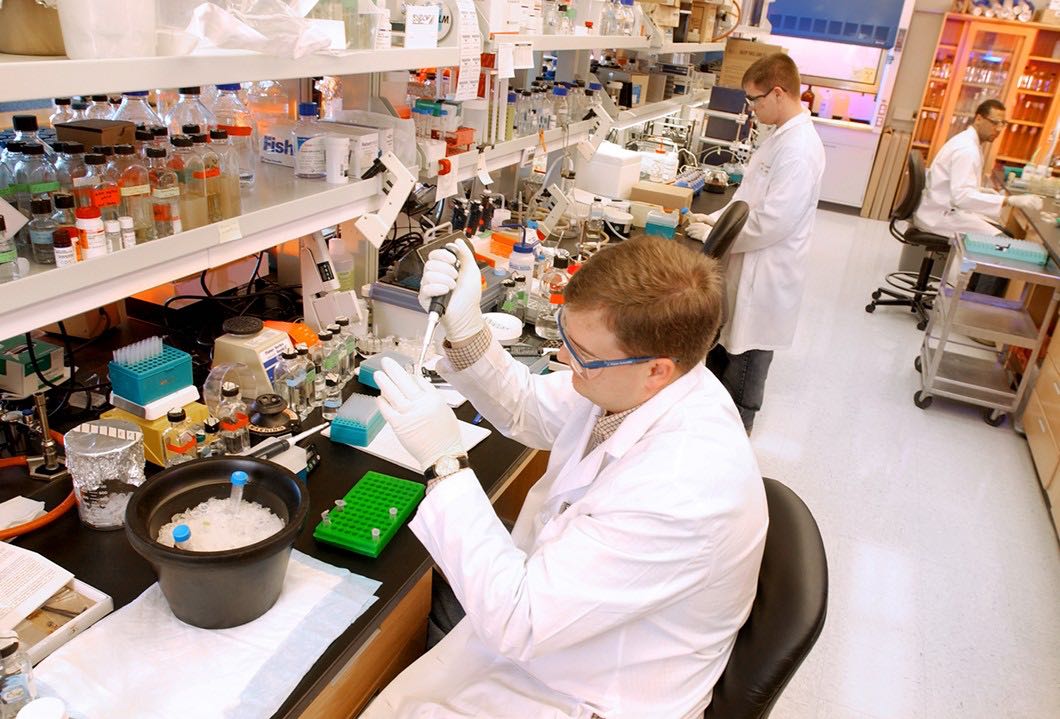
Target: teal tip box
(367, 507)
(144, 382)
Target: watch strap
(431, 474)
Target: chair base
(907, 289)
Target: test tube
(181, 535)
(375, 534)
(236, 497)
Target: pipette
(280, 446)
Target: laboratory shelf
(971, 379)
(991, 318)
(24, 77)
(544, 43)
(505, 154)
(691, 47)
(277, 209)
(656, 110)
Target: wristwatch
(445, 466)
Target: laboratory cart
(955, 366)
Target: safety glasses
(589, 368)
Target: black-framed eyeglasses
(996, 123)
(752, 99)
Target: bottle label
(93, 243)
(236, 130)
(106, 196)
(128, 238)
(165, 211)
(134, 190)
(235, 422)
(164, 193)
(208, 173)
(85, 181)
(41, 188)
(8, 192)
(41, 237)
(331, 362)
(181, 448)
(65, 256)
(7, 256)
(309, 155)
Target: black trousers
(744, 375)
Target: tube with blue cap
(181, 536)
(238, 479)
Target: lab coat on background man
(953, 199)
(629, 570)
(765, 269)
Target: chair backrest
(915, 180)
(725, 230)
(787, 615)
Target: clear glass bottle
(98, 188)
(550, 17)
(34, 179)
(268, 103)
(593, 228)
(17, 688)
(547, 324)
(70, 165)
(608, 18)
(79, 108)
(134, 108)
(178, 439)
(188, 110)
(26, 128)
(64, 210)
(9, 266)
(134, 183)
(10, 157)
(63, 112)
(165, 194)
(190, 172)
(41, 228)
(329, 409)
(235, 421)
(560, 106)
(626, 19)
(108, 154)
(232, 116)
(144, 138)
(308, 366)
(347, 349)
(211, 175)
(231, 203)
(566, 20)
(7, 186)
(214, 441)
(508, 305)
(160, 138)
(319, 354)
(307, 138)
(280, 372)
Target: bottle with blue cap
(181, 536)
(238, 480)
(522, 258)
(308, 140)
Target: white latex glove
(463, 317)
(695, 218)
(698, 231)
(424, 424)
(1030, 203)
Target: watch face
(446, 465)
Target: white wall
(916, 62)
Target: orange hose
(739, 16)
(48, 518)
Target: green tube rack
(368, 506)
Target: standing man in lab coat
(766, 266)
(635, 558)
(953, 199)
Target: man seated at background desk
(634, 560)
(953, 199)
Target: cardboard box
(638, 92)
(740, 55)
(92, 323)
(670, 197)
(657, 87)
(665, 16)
(1048, 16)
(701, 22)
(97, 132)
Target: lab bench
(381, 642)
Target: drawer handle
(1041, 424)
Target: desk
(338, 685)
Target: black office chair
(908, 289)
(787, 615)
(726, 230)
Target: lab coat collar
(637, 423)
(803, 118)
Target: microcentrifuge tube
(375, 534)
(393, 514)
(340, 504)
(327, 519)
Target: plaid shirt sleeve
(469, 352)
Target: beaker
(106, 462)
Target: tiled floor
(945, 570)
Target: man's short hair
(987, 105)
(660, 299)
(776, 70)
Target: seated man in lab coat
(635, 558)
(953, 200)
(766, 265)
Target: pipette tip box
(144, 382)
(367, 507)
(358, 421)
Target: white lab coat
(953, 199)
(629, 570)
(765, 270)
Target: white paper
(27, 580)
(229, 230)
(447, 183)
(12, 217)
(387, 446)
(524, 56)
(482, 171)
(421, 26)
(19, 510)
(505, 61)
(470, 52)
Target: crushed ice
(215, 527)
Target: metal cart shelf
(955, 367)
